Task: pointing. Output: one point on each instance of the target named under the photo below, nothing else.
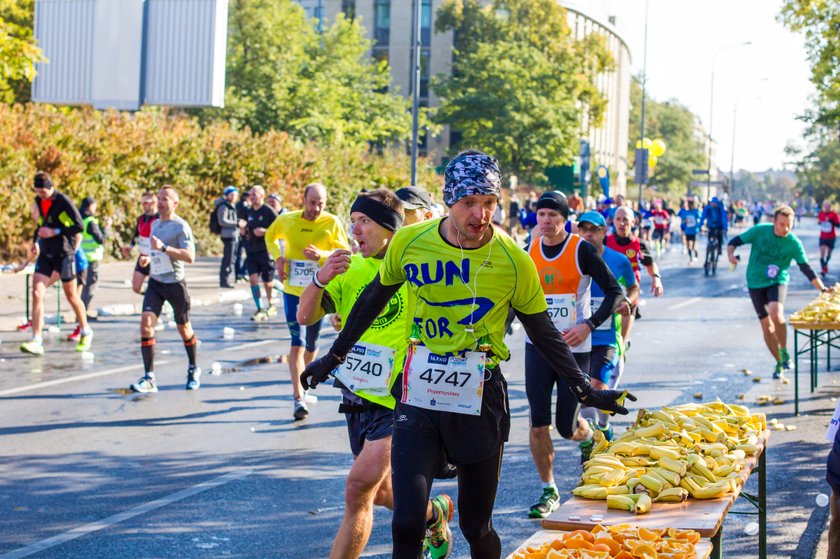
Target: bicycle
(713, 251)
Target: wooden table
(701, 515)
(815, 334)
(703, 547)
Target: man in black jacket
(226, 215)
(57, 237)
(240, 265)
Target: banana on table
(825, 308)
(671, 454)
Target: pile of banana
(667, 455)
(825, 308)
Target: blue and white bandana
(471, 174)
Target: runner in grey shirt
(171, 247)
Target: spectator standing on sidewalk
(93, 244)
(240, 266)
(229, 225)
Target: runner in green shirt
(773, 248)
(462, 275)
(368, 374)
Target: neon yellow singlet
(326, 233)
(389, 327)
(446, 294)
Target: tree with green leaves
(283, 75)
(818, 21)
(18, 52)
(520, 82)
(680, 129)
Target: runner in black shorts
(57, 237)
(773, 249)
(457, 335)
(141, 239)
(260, 265)
(171, 245)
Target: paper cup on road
(228, 333)
(822, 500)
(171, 324)
(237, 309)
(88, 356)
(53, 330)
(216, 368)
(160, 326)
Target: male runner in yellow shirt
(300, 243)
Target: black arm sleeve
(550, 344)
(98, 234)
(594, 266)
(808, 271)
(368, 306)
(645, 258)
(736, 242)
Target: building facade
(390, 23)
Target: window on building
(382, 22)
(348, 8)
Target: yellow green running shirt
(443, 285)
(389, 327)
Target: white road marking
(80, 531)
(57, 382)
(74, 378)
(250, 345)
(685, 303)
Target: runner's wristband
(317, 283)
(163, 248)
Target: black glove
(608, 401)
(319, 370)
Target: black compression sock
(190, 345)
(147, 349)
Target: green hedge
(115, 157)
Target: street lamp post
(732, 154)
(415, 90)
(644, 95)
(712, 113)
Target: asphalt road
(89, 470)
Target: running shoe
(779, 371)
(25, 326)
(145, 385)
(193, 374)
(548, 503)
(85, 341)
(259, 316)
(74, 337)
(301, 411)
(784, 356)
(586, 449)
(607, 431)
(438, 534)
(35, 347)
(824, 271)
(309, 398)
(271, 311)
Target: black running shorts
(828, 243)
(176, 294)
(64, 265)
(373, 424)
(762, 297)
(145, 270)
(260, 263)
(540, 380)
(466, 439)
